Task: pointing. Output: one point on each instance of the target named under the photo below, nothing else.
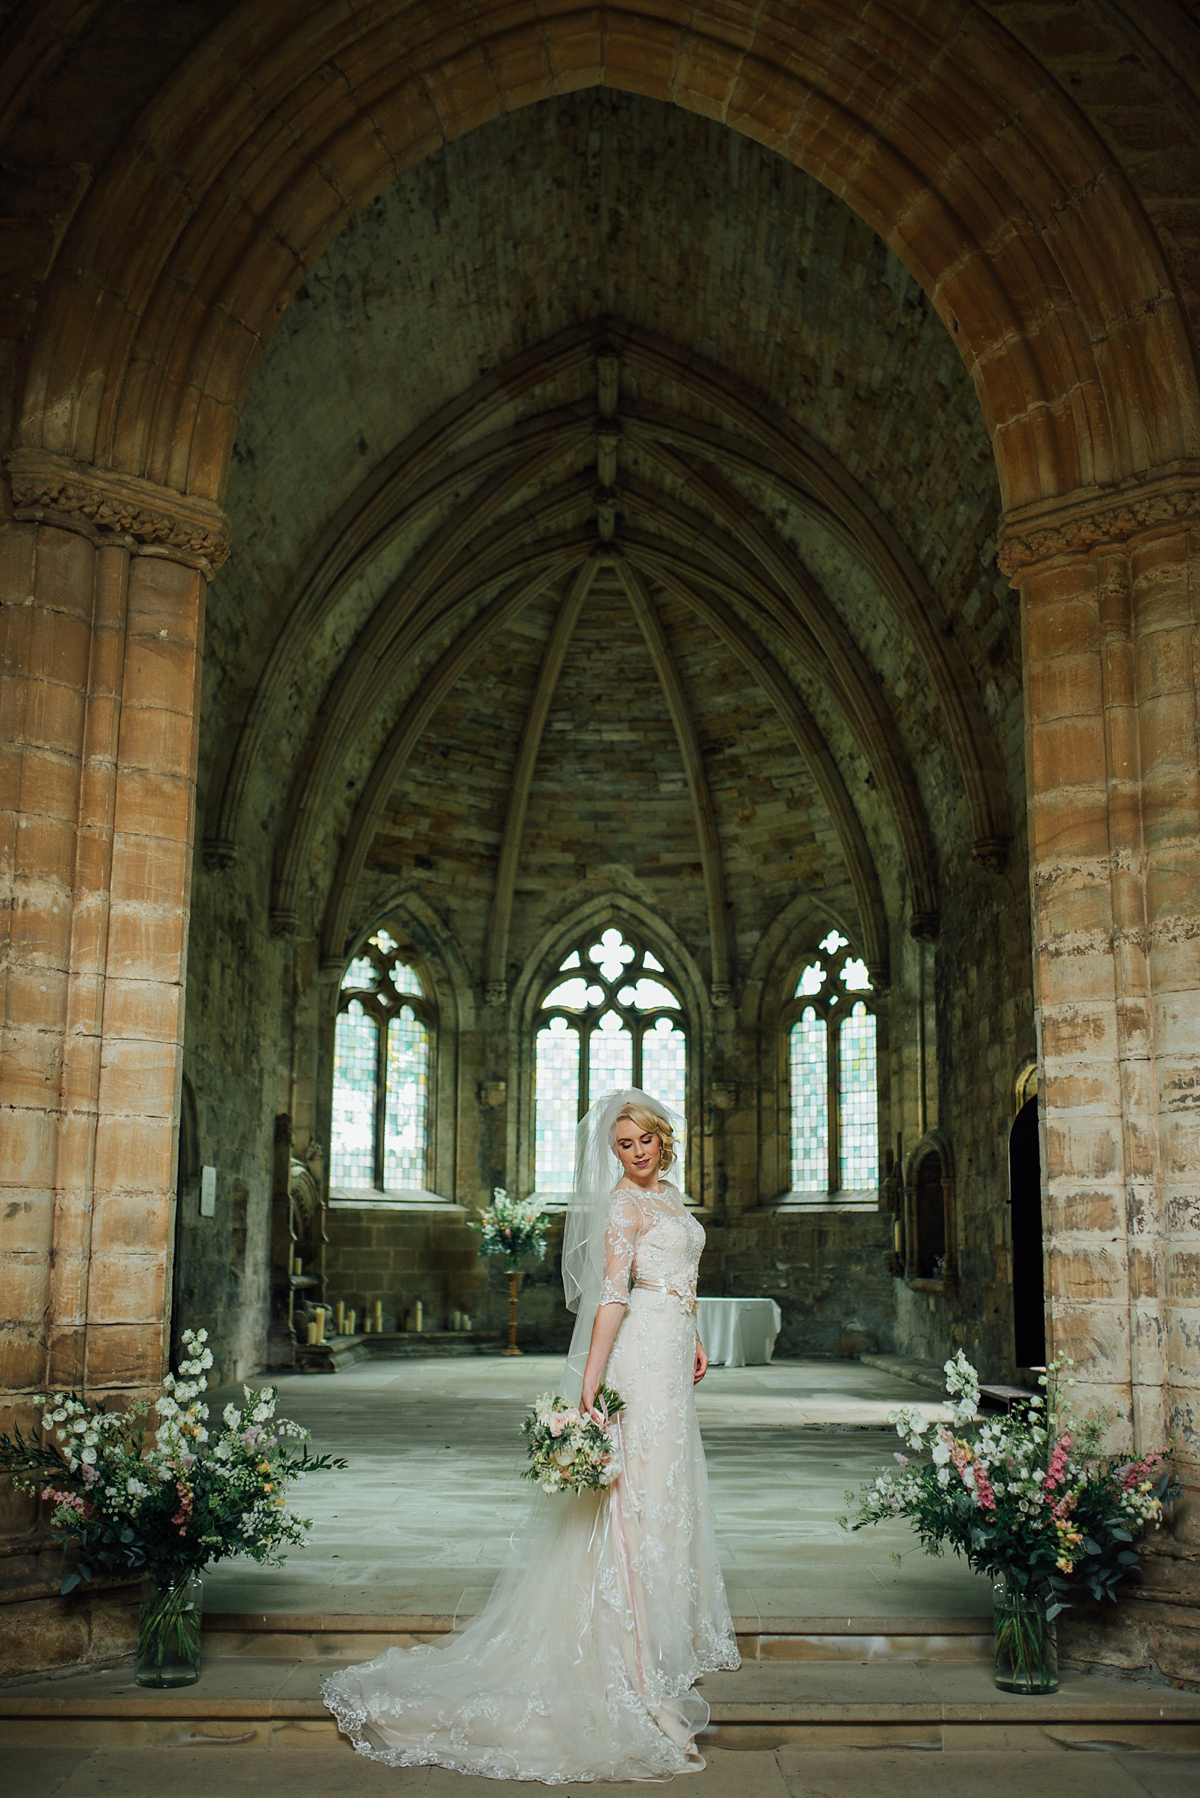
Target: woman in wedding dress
(583, 1662)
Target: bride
(582, 1663)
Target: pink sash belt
(686, 1297)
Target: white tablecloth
(738, 1332)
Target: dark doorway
(1028, 1262)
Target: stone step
(260, 1703)
(284, 1635)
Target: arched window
(381, 1073)
(833, 1074)
(610, 1016)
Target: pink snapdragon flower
(1056, 1466)
(183, 1515)
(1137, 1471)
(983, 1489)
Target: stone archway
(1043, 265)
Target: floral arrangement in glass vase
(514, 1228)
(571, 1452)
(1028, 1499)
(166, 1502)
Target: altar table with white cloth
(738, 1332)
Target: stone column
(102, 582)
(1110, 587)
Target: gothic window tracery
(833, 1073)
(610, 1016)
(382, 1066)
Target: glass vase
(1023, 1637)
(169, 1634)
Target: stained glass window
(382, 1072)
(810, 1103)
(859, 1104)
(556, 1106)
(355, 1095)
(405, 979)
(406, 1102)
(360, 975)
(664, 1063)
(616, 1019)
(833, 1073)
(610, 1056)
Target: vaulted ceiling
(610, 503)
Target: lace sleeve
(620, 1239)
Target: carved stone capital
(496, 992)
(48, 486)
(219, 854)
(1094, 517)
(924, 926)
(991, 854)
(721, 995)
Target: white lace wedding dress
(582, 1663)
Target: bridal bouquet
(569, 1452)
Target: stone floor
(214, 1772)
(421, 1523)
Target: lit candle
(378, 1316)
(321, 1324)
(351, 1323)
(456, 1320)
(366, 1324)
(339, 1317)
(312, 1334)
(418, 1314)
(466, 1320)
(297, 1265)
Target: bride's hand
(587, 1403)
(700, 1365)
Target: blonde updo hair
(646, 1118)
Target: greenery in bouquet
(1029, 1497)
(514, 1228)
(570, 1452)
(167, 1501)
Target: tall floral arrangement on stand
(1028, 1499)
(166, 1502)
(515, 1229)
